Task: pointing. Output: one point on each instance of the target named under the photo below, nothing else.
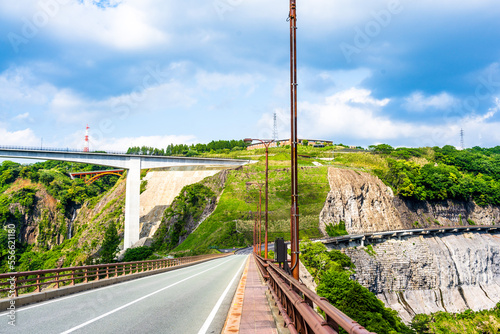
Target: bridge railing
(55, 149)
(14, 284)
(296, 304)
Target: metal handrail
(19, 282)
(297, 300)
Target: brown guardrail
(13, 284)
(296, 303)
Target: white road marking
(138, 300)
(92, 291)
(212, 314)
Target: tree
(110, 244)
(358, 303)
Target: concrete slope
(162, 188)
(426, 274)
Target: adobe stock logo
(363, 37)
(31, 27)
(223, 6)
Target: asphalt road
(249, 250)
(195, 299)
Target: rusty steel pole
(266, 144)
(254, 235)
(266, 193)
(260, 219)
(294, 211)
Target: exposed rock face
(365, 204)
(448, 212)
(43, 213)
(428, 274)
(361, 200)
(417, 274)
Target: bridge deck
(255, 315)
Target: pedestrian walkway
(250, 312)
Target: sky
(156, 72)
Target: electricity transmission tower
(275, 128)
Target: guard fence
(297, 304)
(16, 283)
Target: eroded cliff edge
(416, 274)
(366, 204)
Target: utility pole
(294, 211)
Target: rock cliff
(425, 274)
(43, 223)
(366, 204)
(361, 200)
(416, 274)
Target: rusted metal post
(266, 193)
(255, 236)
(260, 220)
(266, 144)
(294, 211)
(38, 289)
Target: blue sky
(155, 72)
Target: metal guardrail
(296, 304)
(13, 284)
(58, 149)
(409, 232)
(107, 152)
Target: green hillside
(231, 225)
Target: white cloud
(24, 117)
(18, 86)
(122, 144)
(419, 102)
(23, 138)
(126, 26)
(353, 114)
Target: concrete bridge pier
(132, 163)
(132, 203)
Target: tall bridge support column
(132, 202)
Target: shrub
(336, 230)
(137, 254)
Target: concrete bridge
(133, 164)
(371, 237)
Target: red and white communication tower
(86, 147)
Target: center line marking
(212, 314)
(138, 300)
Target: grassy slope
(232, 222)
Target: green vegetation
(332, 270)
(470, 322)
(336, 230)
(144, 184)
(219, 146)
(369, 249)
(443, 173)
(138, 254)
(187, 207)
(25, 191)
(110, 244)
(231, 224)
